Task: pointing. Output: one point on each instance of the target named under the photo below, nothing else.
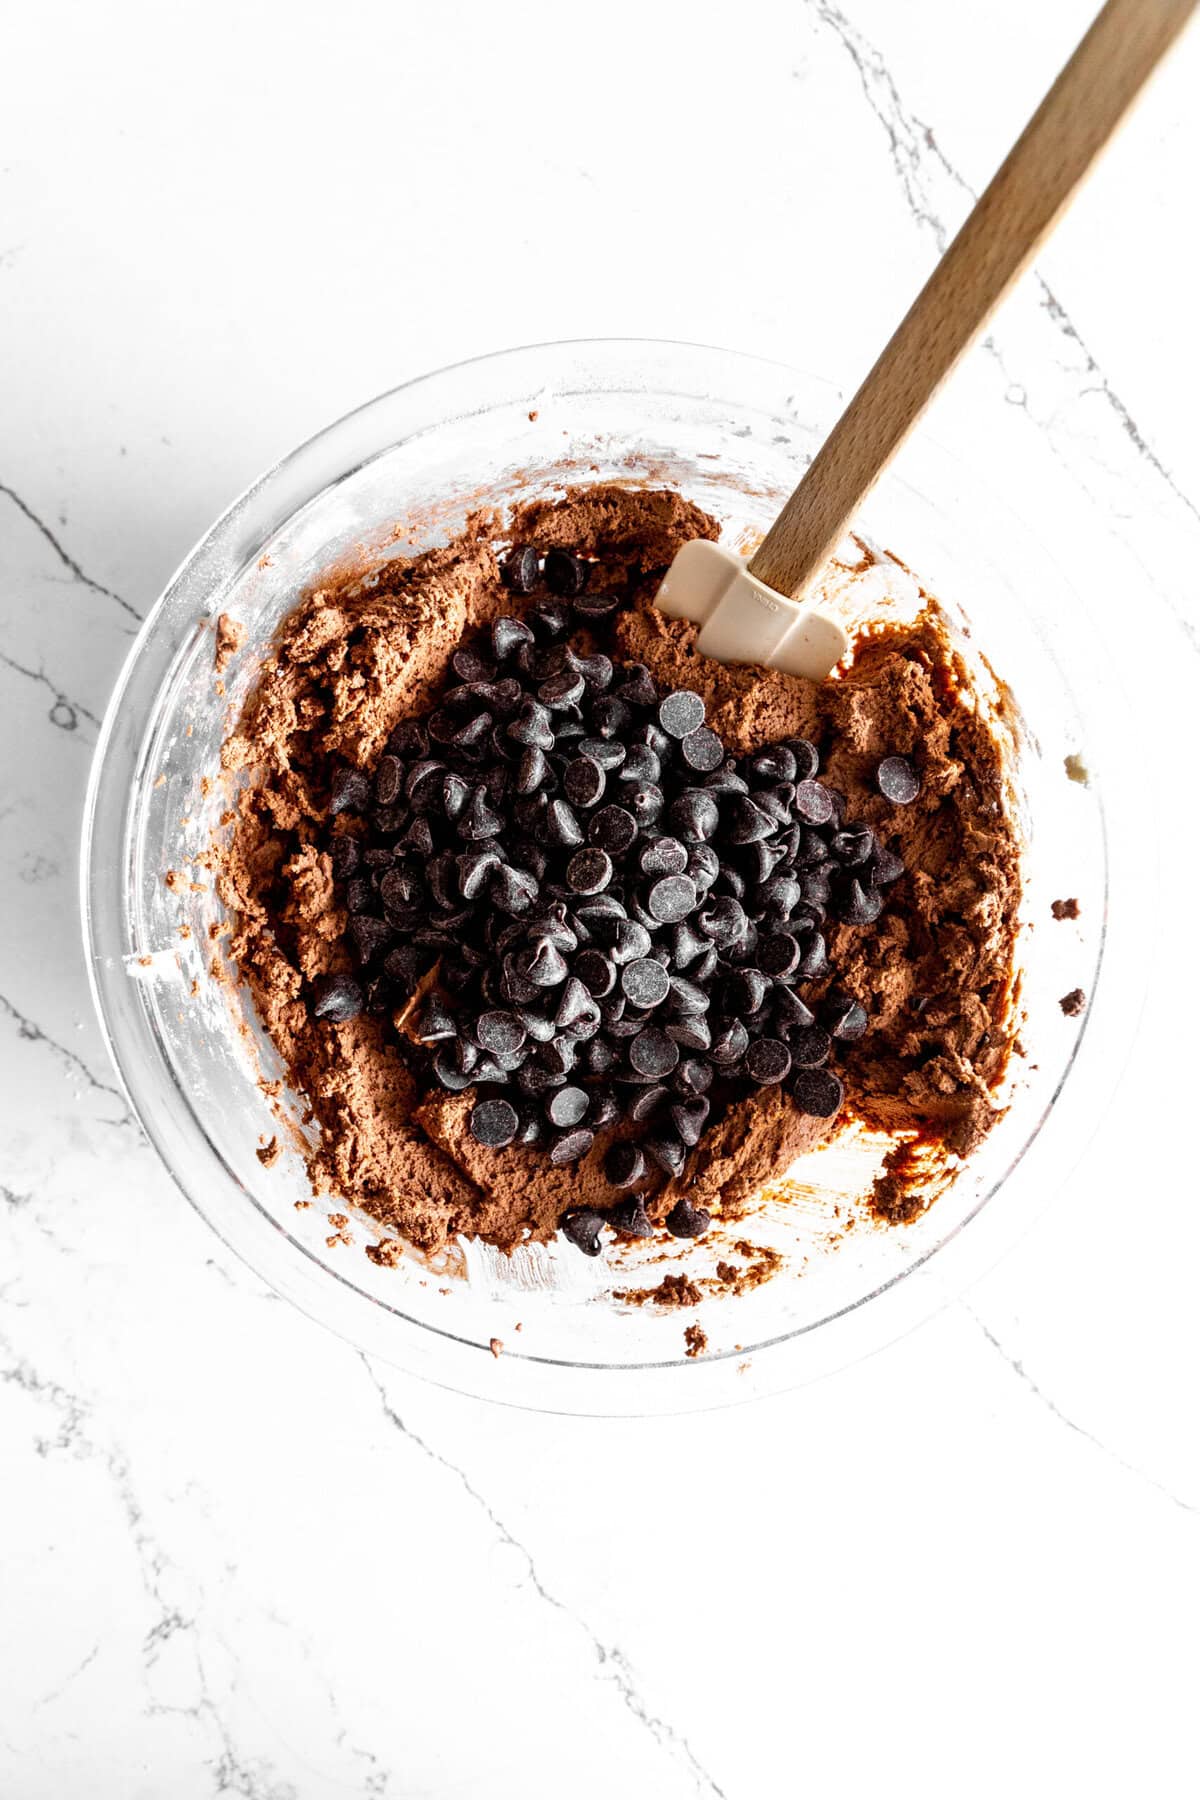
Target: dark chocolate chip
(580, 1228)
(613, 828)
(520, 570)
(672, 898)
(652, 1052)
(336, 998)
(625, 1165)
(768, 1060)
(610, 717)
(776, 763)
(885, 867)
(645, 1103)
(897, 781)
(566, 1106)
(561, 826)
(629, 941)
(480, 819)
(813, 803)
(595, 606)
(807, 759)
(810, 1047)
(693, 1076)
(508, 635)
(561, 691)
(689, 1119)
(499, 1033)
(722, 919)
(370, 936)
(583, 781)
(550, 620)
(532, 770)
(844, 1018)
(596, 971)
(681, 712)
(608, 752)
(688, 998)
(641, 765)
(746, 823)
(630, 1217)
(532, 726)
(350, 791)
(814, 962)
(790, 1011)
(408, 739)
(577, 1011)
(662, 856)
(729, 1046)
(565, 573)
(513, 891)
(853, 845)
(702, 750)
(687, 1221)
(860, 905)
(589, 871)
(637, 686)
(645, 983)
(604, 1109)
(542, 964)
(570, 1146)
(816, 1092)
(668, 1153)
(645, 800)
(694, 815)
(599, 1056)
(360, 894)
(494, 1123)
(744, 993)
(448, 1074)
(778, 954)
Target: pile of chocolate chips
(623, 916)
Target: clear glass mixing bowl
(733, 433)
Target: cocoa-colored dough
(935, 975)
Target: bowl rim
(920, 1297)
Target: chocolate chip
(897, 781)
(608, 752)
(844, 1018)
(689, 1119)
(645, 983)
(599, 1056)
(729, 1045)
(641, 765)
(336, 998)
(776, 763)
(884, 868)
(565, 573)
(532, 770)
(630, 940)
(813, 962)
(703, 865)
(408, 739)
(853, 845)
(604, 1109)
(508, 635)
(448, 1074)
(630, 1217)
(581, 1228)
(688, 998)
(645, 1104)
(596, 971)
(594, 607)
(653, 1053)
(768, 1060)
(810, 1047)
(694, 815)
(702, 750)
(480, 819)
(494, 1123)
(532, 726)
(561, 691)
(790, 1011)
(566, 1106)
(520, 569)
(624, 1165)
(583, 781)
(646, 802)
(613, 829)
(369, 936)
(691, 1032)
(577, 1013)
(744, 992)
(816, 1092)
(561, 826)
(687, 1221)
(542, 964)
(681, 712)
(746, 823)
(672, 898)
(813, 803)
(360, 894)
(499, 1033)
(693, 1076)
(513, 891)
(860, 905)
(570, 1146)
(550, 620)
(778, 954)
(667, 1151)
(722, 919)
(589, 871)
(350, 791)
(637, 686)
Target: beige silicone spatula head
(758, 611)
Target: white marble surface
(234, 1558)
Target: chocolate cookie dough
(358, 656)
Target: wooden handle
(1025, 197)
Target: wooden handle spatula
(756, 611)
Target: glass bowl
(732, 432)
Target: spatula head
(742, 620)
